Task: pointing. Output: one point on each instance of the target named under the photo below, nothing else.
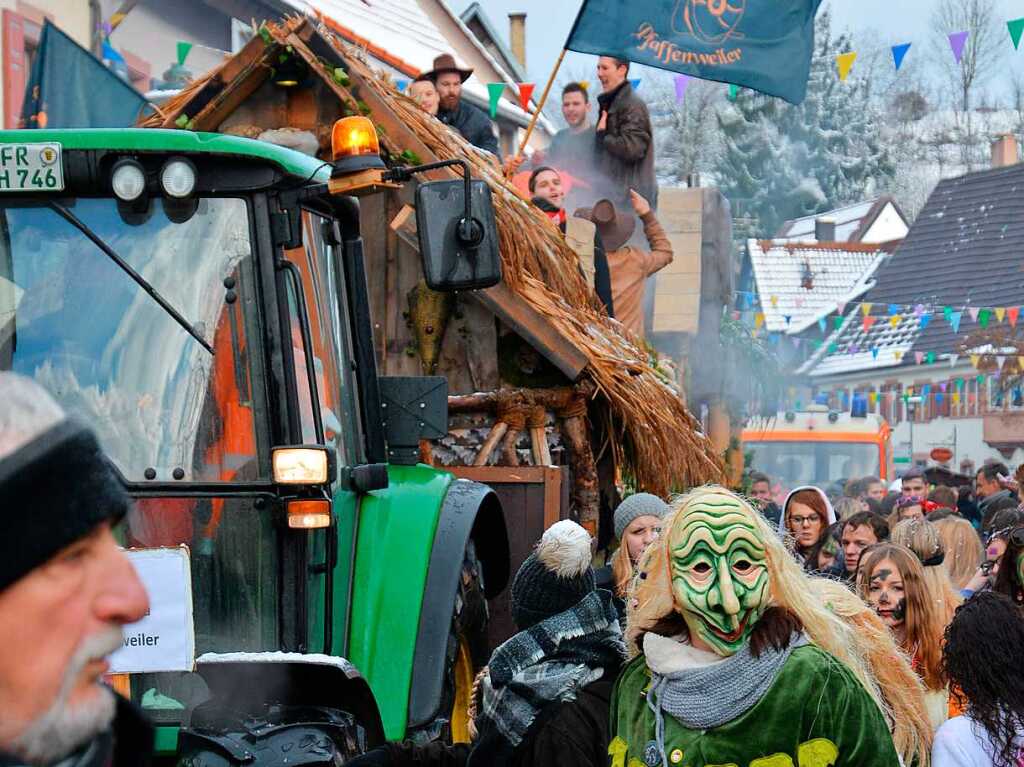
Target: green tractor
(201, 300)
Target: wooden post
(586, 497)
(540, 104)
(509, 457)
(536, 421)
(493, 438)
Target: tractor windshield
(133, 320)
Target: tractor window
(165, 406)
(331, 355)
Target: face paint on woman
(886, 594)
(719, 575)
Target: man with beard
(474, 125)
(66, 591)
(736, 662)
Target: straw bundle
(653, 434)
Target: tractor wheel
(468, 648)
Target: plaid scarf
(549, 662)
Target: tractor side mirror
(458, 242)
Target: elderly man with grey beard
(66, 591)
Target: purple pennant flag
(681, 82)
(957, 41)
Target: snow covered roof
(852, 221)
(403, 37)
(883, 342)
(836, 272)
(963, 252)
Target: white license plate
(31, 168)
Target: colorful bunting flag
(734, 91)
(895, 320)
(957, 41)
(899, 52)
(183, 51)
(897, 355)
(775, 301)
(1016, 27)
(1020, 362)
(841, 307)
(930, 358)
(494, 91)
(894, 309)
(821, 324)
(1000, 360)
(525, 94)
(983, 317)
(758, 320)
(845, 63)
(953, 359)
(947, 312)
(787, 318)
(975, 359)
(635, 83)
(837, 322)
(868, 322)
(919, 357)
(833, 348)
(866, 308)
(681, 82)
(954, 321)
(956, 398)
(401, 85)
(1000, 313)
(925, 319)
(585, 84)
(874, 352)
(1012, 314)
(974, 311)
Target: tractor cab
(200, 301)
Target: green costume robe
(815, 714)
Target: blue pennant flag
(899, 52)
(821, 324)
(762, 45)
(874, 352)
(954, 320)
(894, 309)
(925, 319)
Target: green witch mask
(719, 573)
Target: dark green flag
(70, 88)
(761, 44)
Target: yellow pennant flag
(866, 308)
(1000, 313)
(758, 320)
(873, 398)
(956, 398)
(975, 359)
(775, 301)
(897, 355)
(1020, 362)
(845, 63)
(894, 320)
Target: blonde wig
(922, 537)
(900, 685)
(924, 626)
(652, 601)
(963, 547)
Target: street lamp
(912, 403)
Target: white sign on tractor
(164, 640)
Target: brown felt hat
(615, 228)
(445, 63)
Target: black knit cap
(555, 577)
(56, 489)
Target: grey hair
(26, 411)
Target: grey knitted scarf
(703, 698)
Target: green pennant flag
(947, 312)
(734, 91)
(833, 348)
(494, 90)
(837, 322)
(930, 357)
(183, 51)
(984, 316)
(1016, 27)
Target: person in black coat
(474, 124)
(544, 698)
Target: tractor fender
(470, 511)
(244, 681)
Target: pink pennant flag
(919, 357)
(973, 311)
(841, 307)
(957, 41)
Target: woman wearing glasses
(807, 515)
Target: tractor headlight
(178, 177)
(307, 465)
(128, 180)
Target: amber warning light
(355, 149)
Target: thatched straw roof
(655, 437)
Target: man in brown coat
(630, 266)
(625, 139)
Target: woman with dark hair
(1010, 576)
(806, 517)
(825, 557)
(981, 657)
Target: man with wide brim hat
(473, 123)
(629, 265)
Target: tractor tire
(468, 648)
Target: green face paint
(719, 574)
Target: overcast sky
(896, 21)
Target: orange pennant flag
(525, 94)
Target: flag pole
(540, 104)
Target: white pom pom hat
(555, 577)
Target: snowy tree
(686, 136)
(781, 161)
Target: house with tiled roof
(908, 342)
(872, 221)
(402, 37)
